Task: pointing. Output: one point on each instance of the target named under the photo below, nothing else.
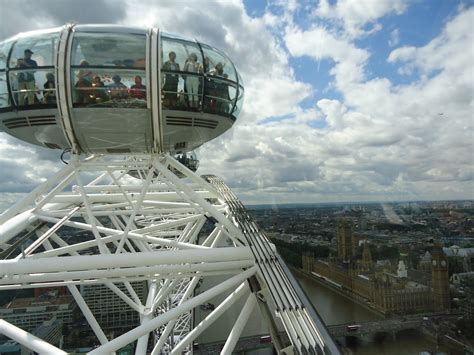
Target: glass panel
(4, 49)
(33, 87)
(109, 88)
(241, 81)
(109, 49)
(232, 97)
(181, 91)
(219, 96)
(181, 94)
(173, 36)
(34, 51)
(188, 159)
(240, 102)
(179, 55)
(4, 100)
(215, 63)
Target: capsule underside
(114, 89)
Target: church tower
(307, 261)
(440, 279)
(344, 240)
(366, 262)
(402, 270)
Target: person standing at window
(192, 82)
(26, 80)
(222, 89)
(83, 92)
(49, 92)
(170, 86)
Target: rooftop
(38, 302)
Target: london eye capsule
(114, 89)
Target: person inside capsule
(49, 92)
(192, 65)
(170, 86)
(221, 89)
(138, 91)
(84, 84)
(99, 93)
(26, 79)
(117, 90)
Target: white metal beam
(239, 325)
(204, 297)
(87, 314)
(29, 340)
(90, 262)
(169, 327)
(211, 318)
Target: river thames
(337, 309)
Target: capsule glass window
(239, 77)
(39, 49)
(4, 99)
(4, 50)
(109, 49)
(105, 87)
(187, 55)
(33, 87)
(217, 64)
(220, 95)
(239, 103)
(183, 91)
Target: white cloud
(319, 43)
(389, 136)
(394, 38)
(451, 51)
(27, 15)
(353, 16)
(23, 166)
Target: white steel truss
(122, 222)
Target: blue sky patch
(255, 8)
(273, 119)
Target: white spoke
(32, 342)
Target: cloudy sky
(349, 100)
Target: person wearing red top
(138, 91)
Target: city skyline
(341, 104)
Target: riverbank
(336, 307)
(348, 295)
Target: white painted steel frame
(113, 221)
(28, 340)
(156, 221)
(62, 82)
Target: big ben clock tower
(440, 279)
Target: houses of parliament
(377, 284)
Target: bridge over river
(391, 325)
(431, 323)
